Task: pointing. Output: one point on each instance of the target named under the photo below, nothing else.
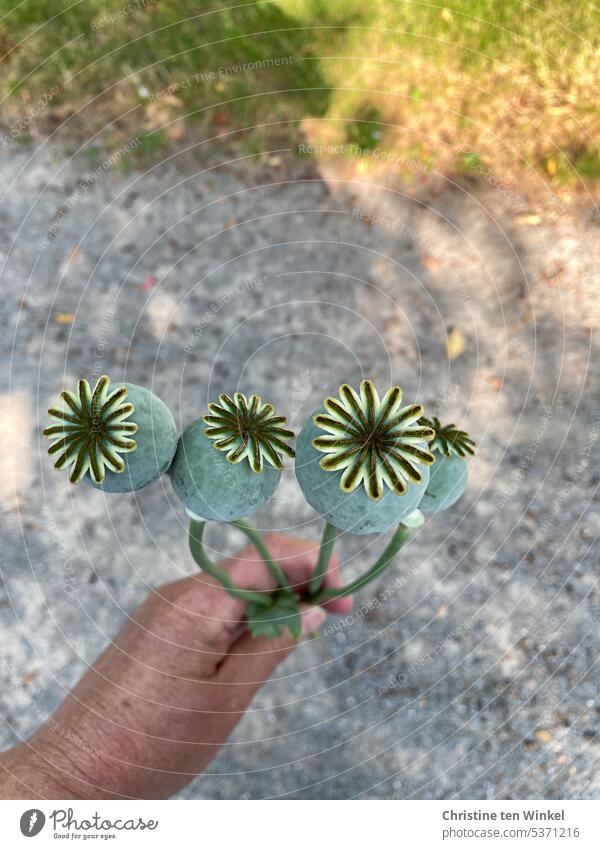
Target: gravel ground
(468, 670)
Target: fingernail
(312, 618)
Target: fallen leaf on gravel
(430, 263)
(220, 119)
(159, 112)
(64, 317)
(527, 218)
(552, 274)
(544, 736)
(455, 343)
(176, 131)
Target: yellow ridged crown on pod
(375, 442)
(92, 430)
(247, 428)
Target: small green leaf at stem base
(271, 621)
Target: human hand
(157, 705)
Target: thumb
(252, 660)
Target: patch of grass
(416, 94)
(150, 146)
(509, 81)
(149, 64)
(469, 160)
(587, 164)
(365, 130)
(582, 163)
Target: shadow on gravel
(470, 670)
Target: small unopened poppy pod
(448, 479)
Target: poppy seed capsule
(156, 443)
(352, 511)
(210, 486)
(118, 439)
(375, 467)
(448, 479)
(447, 482)
(228, 464)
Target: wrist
(32, 772)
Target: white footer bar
(302, 824)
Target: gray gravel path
(471, 669)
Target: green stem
(257, 541)
(397, 541)
(223, 577)
(330, 535)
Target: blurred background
(276, 197)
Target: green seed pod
(447, 482)
(227, 470)
(448, 477)
(375, 471)
(93, 436)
